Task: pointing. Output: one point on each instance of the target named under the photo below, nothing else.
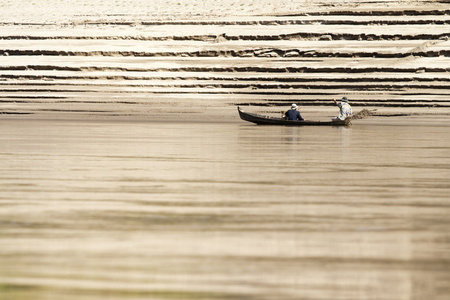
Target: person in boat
(345, 110)
(293, 114)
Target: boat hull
(267, 120)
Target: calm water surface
(104, 210)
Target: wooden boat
(267, 120)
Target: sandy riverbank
(198, 60)
(71, 10)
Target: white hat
(294, 106)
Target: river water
(132, 210)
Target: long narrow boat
(267, 120)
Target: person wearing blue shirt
(293, 114)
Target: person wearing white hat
(293, 114)
(345, 110)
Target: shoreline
(230, 116)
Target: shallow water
(134, 210)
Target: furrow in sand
(233, 53)
(285, 88)
(237, 69)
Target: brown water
(104, 210)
